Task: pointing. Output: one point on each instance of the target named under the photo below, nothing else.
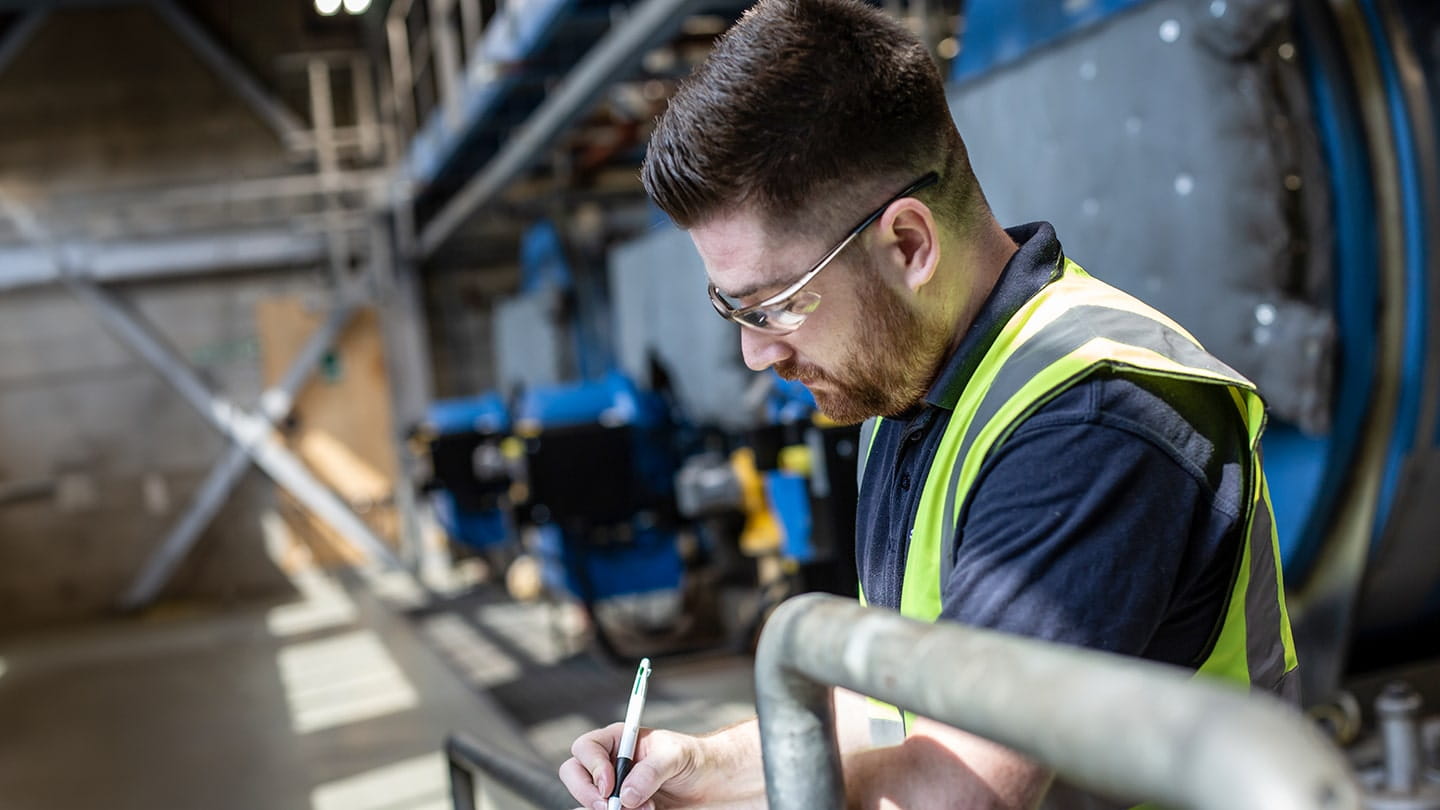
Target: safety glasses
(784, 312)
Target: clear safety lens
(781, 319)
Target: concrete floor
(534, 661)
(330, 702)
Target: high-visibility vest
(1073, 327)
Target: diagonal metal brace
(249, 431)
(275, 404)
(265, 104)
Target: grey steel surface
(1118, 726)
(270, 108)
(657, 294)
(645, 26)
(1198, 188)
(532, 346)
(274, 405)
(1398, 710)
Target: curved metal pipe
(1323, 608)
(1111, 724)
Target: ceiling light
(356, 6)
(327, 7)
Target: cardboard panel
(341, 425)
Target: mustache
(803, 373)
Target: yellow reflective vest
(1073, 327)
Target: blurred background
(352, 394)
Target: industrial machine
(599, 462)
(470, 475)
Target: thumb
(648, 776)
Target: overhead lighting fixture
(356, 6)
(327, 8)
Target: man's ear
(910, 242)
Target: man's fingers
(594, 751)
(581, 783)
(644, 780)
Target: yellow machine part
(761, 534)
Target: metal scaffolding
(337, 211)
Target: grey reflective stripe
(867, 437)
(884, 731)
(1264, 652)
(1065, 334)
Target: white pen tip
(614, 803)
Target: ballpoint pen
(625, 755)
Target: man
(1054, 458)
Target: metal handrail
(1115, 725)
(530, 781)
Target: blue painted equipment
(599, 467)
(468, 467)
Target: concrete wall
(123, 450)
(99, 100)
(460, 310)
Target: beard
(890, 366)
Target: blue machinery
(599, 467)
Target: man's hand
(671, 770)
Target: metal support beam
(619, 53)
(367, 117)
(275, 404)
(19, 34)
(322, 114)
(402, 78)
(251, 432)
(134, 259)
(1119, 726)
(448, 68)
(270, 109)
(407, 364)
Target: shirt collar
(1034, 265)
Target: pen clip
(642, 675)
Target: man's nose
(760, 350)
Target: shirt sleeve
(1082, 529)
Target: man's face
(864, 351)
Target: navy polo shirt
(1111, 518)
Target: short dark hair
(800, 101)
